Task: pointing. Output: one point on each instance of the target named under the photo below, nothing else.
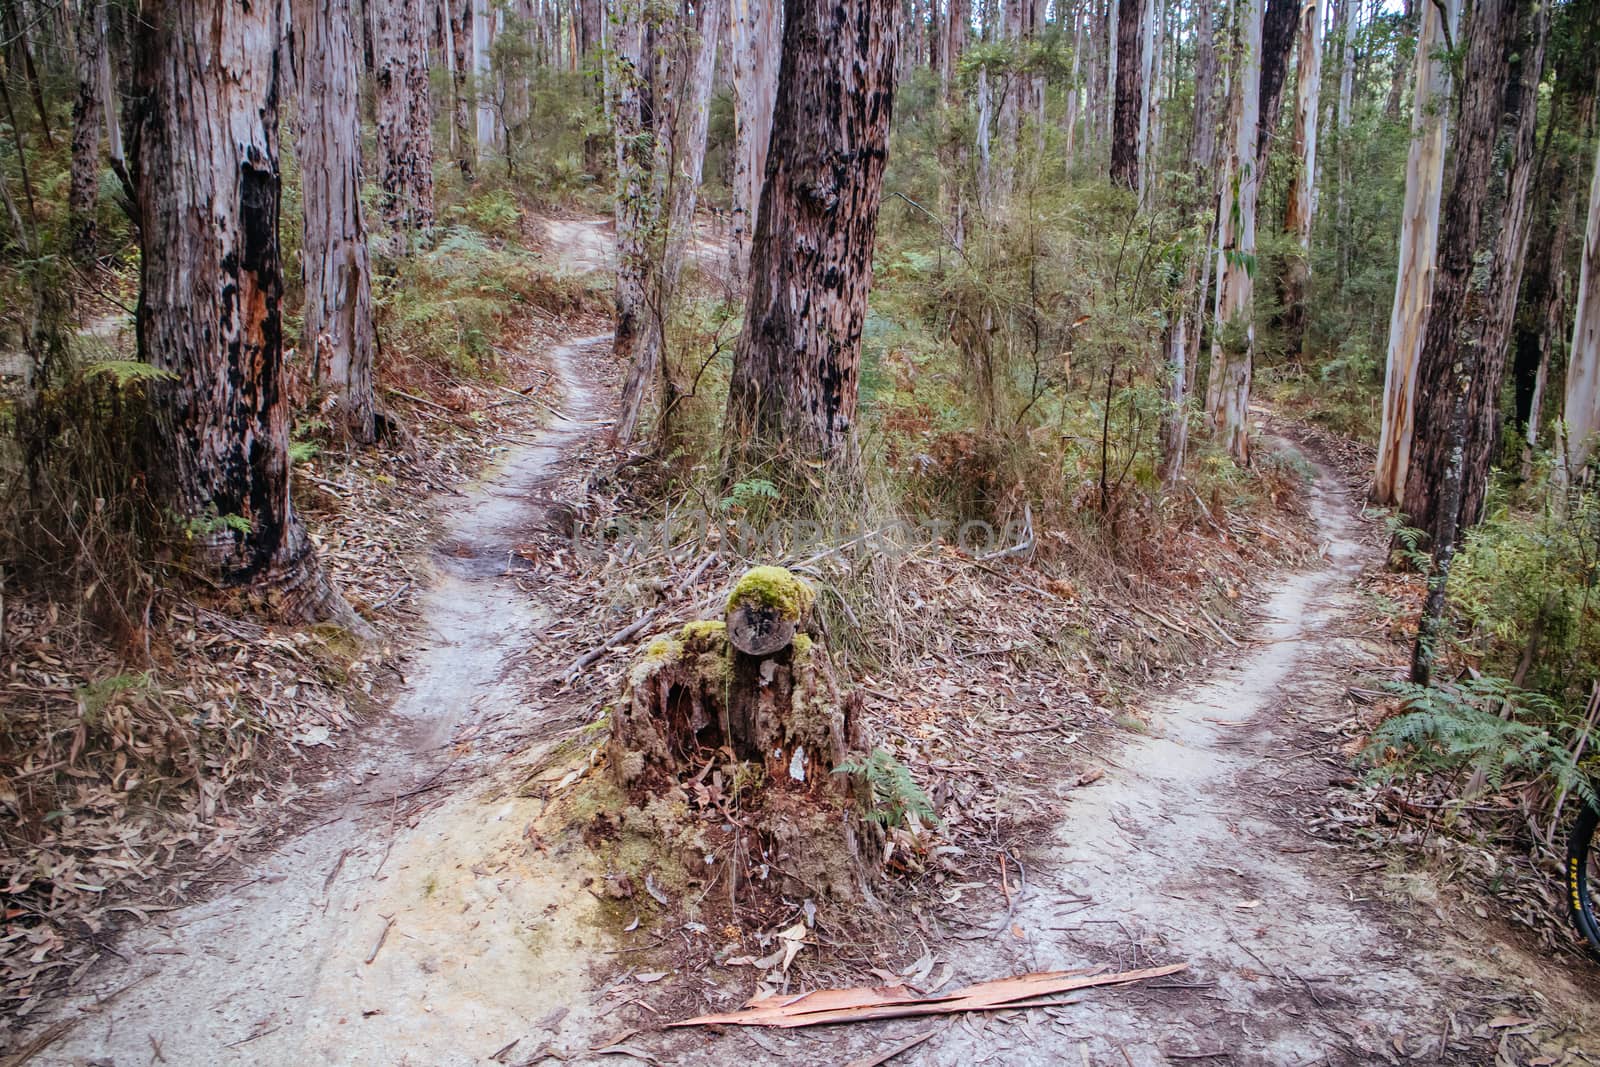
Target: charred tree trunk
(1278, 30)
(1126, 147)
(87, 116)
(1462, 299)
(211, 285)
(1525, 61)
(1419, 234)
(756, 35)
(794, 385)
(1301, 205)
(338, 279)
(405, 120)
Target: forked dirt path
(1203, 844)
(392, 934)
(356, 941)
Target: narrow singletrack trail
(274, 970)
(1196, 846)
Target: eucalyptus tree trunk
(685, 61)
(1581, 404)
(1204, 146)
(637, 211)
(1300, 207)
(1234, 334)
(1463, 289)
(485, 27)
(793, 393)
(1150, 115)
(1108, 120)
(405, 120)
(209, 79)
(953, 155)
(338, 278)
(1419, 235)
(87, 116)
(755, 40)
(1514, 178)
(1127, 141)
(1279, 24)
(1183, 333)
(1074, 92)
(461, 22)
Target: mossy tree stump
(754, 696)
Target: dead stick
(382, 937)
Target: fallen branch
(864, 1003)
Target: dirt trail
(1194, 847)
(440, 938)
(275, 971)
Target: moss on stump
(753, 737)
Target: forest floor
(433, 913)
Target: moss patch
(703, 630)
(774, 588)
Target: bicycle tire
(1580, 900)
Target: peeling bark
(1581, 405)
(1419, 234)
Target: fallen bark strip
(860, 1004)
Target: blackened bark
(87, 117)
(1525, 63)
(1279, 24)
(1129, 104)
(794, 387)
(1460, 304)
(405, 120)
(205, 150)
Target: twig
(382, 937)
(631, 630)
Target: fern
(895, 794)
(1460, 727)
(126, 372)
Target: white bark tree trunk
(1233, 337)
(485, 19)
(1582, 401)
(1301, 204)
(1419, 236)
(338, 328)
(756, 40)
